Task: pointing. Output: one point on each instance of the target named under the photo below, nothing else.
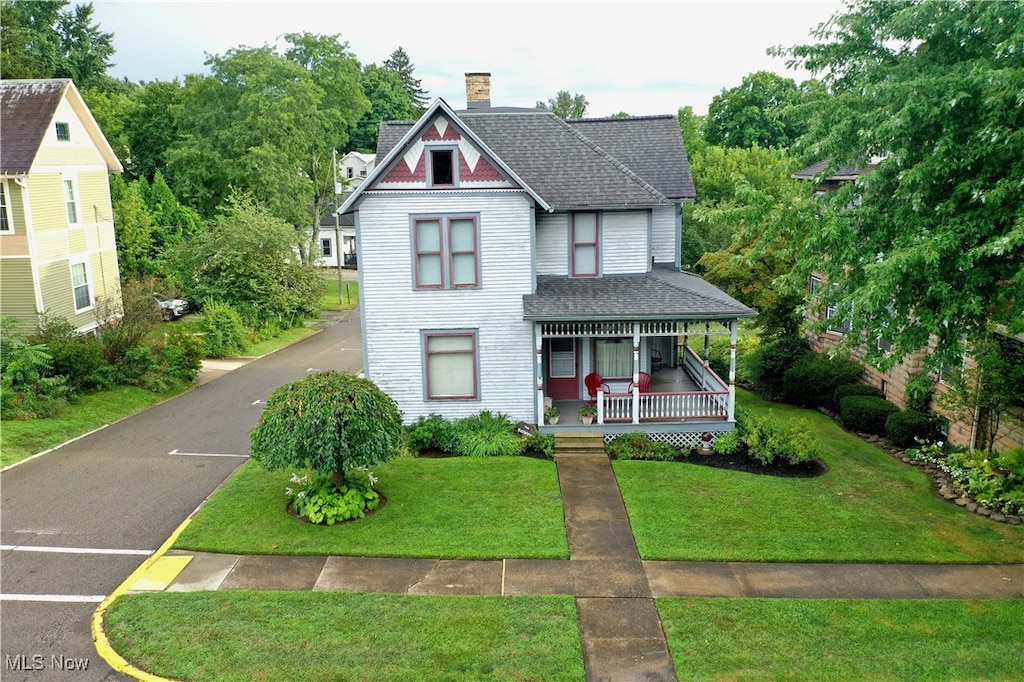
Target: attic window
(63, 132)
(442, 167)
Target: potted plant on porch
(551, 414)
(587, 413)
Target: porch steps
(577, 444)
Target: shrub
(853, 389)
(433, 432)
(918, 393)
(134, 366)
(487, 435)
(127, 320)
(727, 443)
(812, 380)
(638, 445)
(865, 413)
(539, 444)
(224, 332)
(768, 439)
(767, 365)
(78, 357)
(905, 429)
(324, 501)
(27, 391)
(183, 354)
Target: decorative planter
(587, 419)
(553, 420)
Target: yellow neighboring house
(57, 250)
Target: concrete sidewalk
(620, 630)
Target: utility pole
(337, 218)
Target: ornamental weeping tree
(330, 422)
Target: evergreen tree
(399, 62)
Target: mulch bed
(742, 462)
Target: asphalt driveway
(77, 521)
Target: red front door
(563, 362)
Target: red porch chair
(593, 382)
(644, 383)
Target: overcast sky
(633, 57)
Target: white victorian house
(509, 259)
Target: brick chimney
(478, 90)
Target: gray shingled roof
(26, 109)
(662, 294)
(627, 162)
(651, 146)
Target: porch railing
(618, 407)
(704, 376)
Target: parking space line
(75, 550)
(177, 453)
(57, 598)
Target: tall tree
(749, 200)
(150, 127)
(564, 105)
(931, 243)
(691, 126)
(267, 123)
(759, 111)
(42, 39)
(400, 63)
(389, 101)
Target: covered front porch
(657, 378)
(636, 347)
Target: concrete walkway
(620, 630)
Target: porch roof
(664, 293)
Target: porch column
(733, 328)
(539, 371)
(636, 372)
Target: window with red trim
(585, 245)
(446, 252)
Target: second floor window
(63, 132)
(585, 245)
(71, 200)
(446, 252)
(6, 223)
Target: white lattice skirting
(690, 440)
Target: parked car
(171, 308)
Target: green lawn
(335, 636)
(490, 508)
(22, 439)
(348, 297)
(869, 507)
(285, 338)
(797, 639)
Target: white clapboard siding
(396, 314)
(624, 237)
(664, 235)
(552, 244)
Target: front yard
(868, 507)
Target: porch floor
(666, 380)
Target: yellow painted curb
(161, 574)
(99, 637)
